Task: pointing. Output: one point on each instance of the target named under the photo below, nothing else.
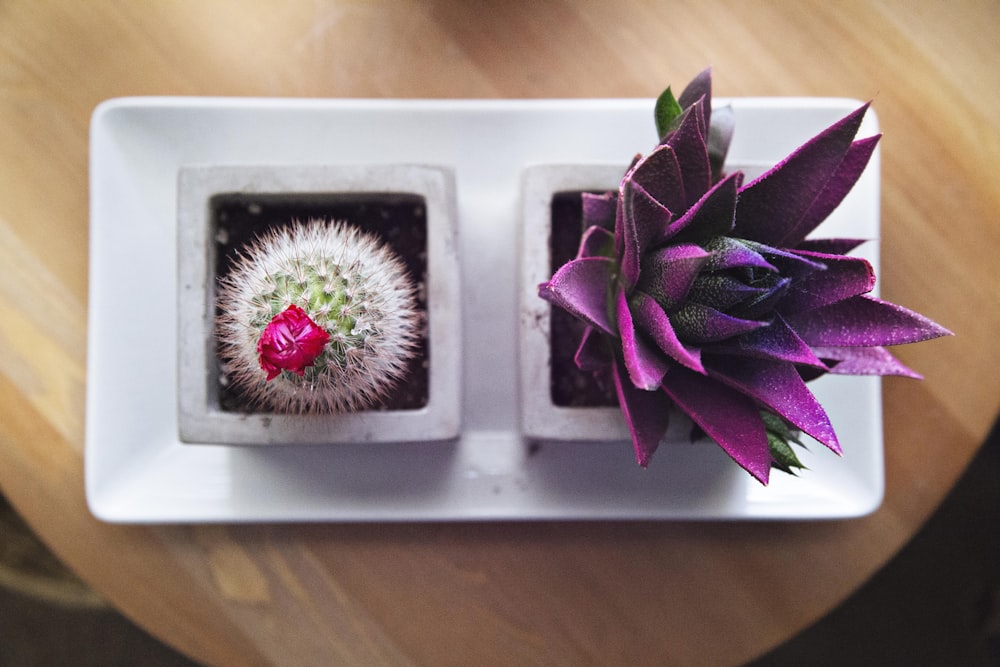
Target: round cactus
(316, 318)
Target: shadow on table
(49, 617)
(936, 603)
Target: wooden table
(569, 593)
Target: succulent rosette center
(703, 293)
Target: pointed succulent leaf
(581, 287)
(688, 142)
(775, 424)
(650, 319)
(725, 415)
(659, 175)
(722, 291)
(783, 457)
(863, 321)
(729, 253)
(668, 273)
(843, 179)
(645, 364)
(599, 209)
(597, 242)
(697, 323)
(665, 113)
(777, 342)
(643, 222)
(763, 306)
(791, 264)
(772, 206)
(699, 88)
(646, 413)
(864, 361)
(710, 216)
(778, 386)
(592, 354)
(780, 437)
(843, 278)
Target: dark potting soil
(398, 219)
(569, 386)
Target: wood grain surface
(564, 593)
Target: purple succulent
(702, 292)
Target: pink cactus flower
(290, 342)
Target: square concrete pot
(217, 205)
(542, 418)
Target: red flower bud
(290, 342)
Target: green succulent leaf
(666, 112)
(779, 437)
(782, 455)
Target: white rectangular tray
(138, 471)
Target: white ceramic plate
(138, 471)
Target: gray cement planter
(541, 418)
(204, 417)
